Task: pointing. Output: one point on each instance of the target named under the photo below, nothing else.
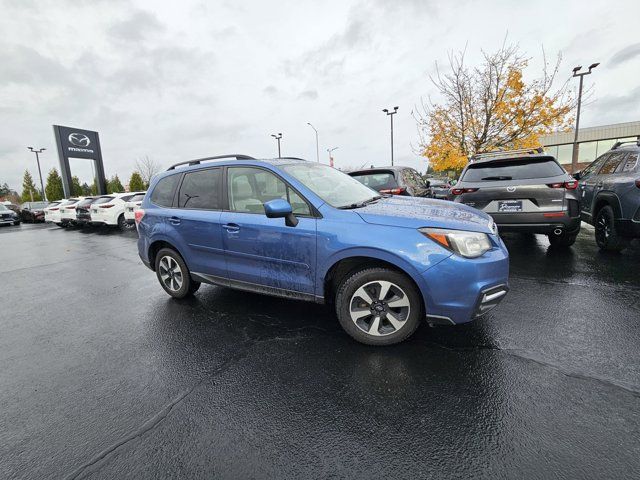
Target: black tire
(16, 223)
(606, 234)
(123, 225)
(348, 302)
(564, 240)
(186, 286)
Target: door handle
(231, 227)
(174, 220)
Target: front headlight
(467, 244)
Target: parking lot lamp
(577, 73)
(37, 152)
(278, 137)
(317, 144)
(391, 114)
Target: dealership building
(592, 142)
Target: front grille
(6, 216)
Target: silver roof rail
(505, 153)
(197, 161)
(618, 144)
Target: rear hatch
(528, 185)
(383, 181)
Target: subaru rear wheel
(173, 275)
(378, 306)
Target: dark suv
(393, 180)
(524, 191)
(610, 189)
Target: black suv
(524, 191)
(610, 190)
(393, 180)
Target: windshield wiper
(360, 204)
(497, 178)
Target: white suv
(131, 206)
(68, 211)
(109, 210)
(52, 212)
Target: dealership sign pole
(78, 143)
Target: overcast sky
(181, 80)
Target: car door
(606, 174)
(588, 182)
(197, 220)
(263, 254)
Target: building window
(565, 152)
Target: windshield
(138, 197)
(102, 200)
(3, 208)
(520, 169)
(334, 187)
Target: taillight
(70, 208)
(570, 185)
(54, 208)
(105, 206)
(394, 191)
(460, 191)
(138, 214)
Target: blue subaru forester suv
(305, 231)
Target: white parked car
(68, 211)
(131, 206)
(52, 212)
(109, 210)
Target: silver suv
(610, 190)
(524, 191)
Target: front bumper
(459, 290)
(8, 221)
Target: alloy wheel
(603, 229)
(379, 308)
(170, 273)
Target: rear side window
(163, 193)
(611, 164)
(520, 169)
(377, 180)
(629, 164)
(201, 189)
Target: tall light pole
(278, 137)
(37, 152)
(391, 114)
(329, 151)
(577, 73)
(317, 144)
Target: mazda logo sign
(511, 189)
(79, 140)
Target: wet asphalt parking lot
(104, 376)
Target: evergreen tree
(53, 188)
(114, 185)
(94, 187)
(86, 189)
(136, 184)
(76, 188)
(29, 190)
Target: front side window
(595, 166)
(163, 192)
(201, 189)
(250, 188)
(334, 187)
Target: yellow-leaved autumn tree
(490, 107)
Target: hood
(416, 212)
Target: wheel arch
(158, 245)
(343, 266)
(607, 198)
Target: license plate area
(509, 206)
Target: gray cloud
(308, 94)
(137, 27)
(624, 55)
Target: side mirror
(279, 208)
(427, 183)
(577, 175)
